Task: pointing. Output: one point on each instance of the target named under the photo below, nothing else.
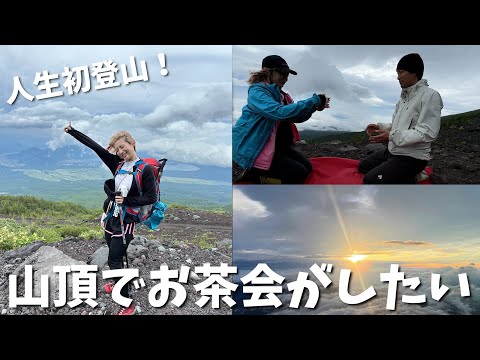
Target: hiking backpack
(153, 214)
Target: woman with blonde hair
(120, 157)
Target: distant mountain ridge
(73, 173)
(37, 158)
(313, 134)
(74, 157)
(448, 121)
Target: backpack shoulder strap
(138, 172)
(119, 166)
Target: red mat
(334, 170)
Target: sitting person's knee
(363, 167)
(372, 178)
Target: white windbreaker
(415, 122)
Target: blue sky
(184, 116)
(361, 79)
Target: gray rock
(334, 142)
(42, 262)
(99, 257)
(139, 240)
(24, 251)
(224, 242)
(136, 251)
(136, 262)
(347, 148)
(9, 268)
(152, 244)
(193, 276)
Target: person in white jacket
(415, 125)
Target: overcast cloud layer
(361, 79)
(184, 116)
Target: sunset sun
(356, 258)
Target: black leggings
(382, 167)
(291, 166)
(116, 249)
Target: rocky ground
(185, 238)
(455, 154)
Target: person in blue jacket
(264, 135)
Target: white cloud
(185, 116)
(362, 80)
(386, 72)
(360, 202)
(246, 209)
(238, 82)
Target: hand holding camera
(325, 102)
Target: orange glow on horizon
(356, 257)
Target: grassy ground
(25, 219)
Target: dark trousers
(291, 166)
(116, 249)
(382, 167)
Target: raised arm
(261, 101)
(111, 160)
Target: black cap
(412, 63)
(276, 62)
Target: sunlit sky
(361, 79)
(162, 113)
(416, 226)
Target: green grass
(27, 219)
(353, 138)
(34, 208)
(15, 234)
(226, 209)
(204, 241)
(457, 120)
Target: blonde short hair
(119, 135)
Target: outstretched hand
(68, 127)
(327, 104)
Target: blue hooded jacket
(263, 109)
